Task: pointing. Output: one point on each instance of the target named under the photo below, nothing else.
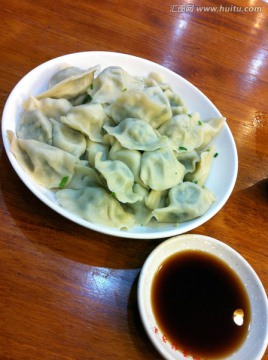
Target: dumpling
(96, 205)
(160, 169)
(210, 129)
(200, 175)
(88, 119)
(93, 148)
(84, 176)
(70, 87)
(183, 131)
(149, 104)
(68, 139)
(120, 180)
(45, 164)
(156, 199)
(188, 159)
(108, 139)
(51, 108)
(111, 82)
(189, 133)
(64, 74)
(187, 201)
(157, 77)
(34, 125)
(132, 158)
(81, 99)
(142, 213)
(176, 103)
(137, 134)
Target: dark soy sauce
(198, 300)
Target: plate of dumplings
(120, 145)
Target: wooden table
(70, 293)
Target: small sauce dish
(199, 299)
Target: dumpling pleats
(70, 87)
(160, 169)
(96, 205)
(137, 134)
(187, 201)
(45, 164)
(120, 180)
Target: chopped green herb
(195, 182)
(91, 86)
(215, 155)
(200, 122)
(87, 99)
(63, 182)
(182, 148)
(125, 89)
(113, 194)
(208, 149)
(189, 115)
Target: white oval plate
(255, 344)
(224, 170)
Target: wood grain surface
(66, 292)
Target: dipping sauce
(200, 305)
